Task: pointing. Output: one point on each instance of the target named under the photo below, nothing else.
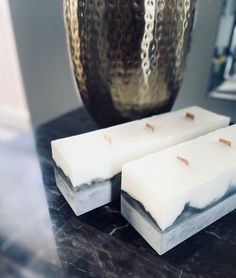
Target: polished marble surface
(41, 237)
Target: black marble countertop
(41, 237)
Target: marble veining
(187, 213)
(96, 182)
(87, 196)
(166, 187)
(101, 243)
(136, 253)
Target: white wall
(41, 43)
(13, 107)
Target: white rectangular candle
(173, 185)
(89, 161)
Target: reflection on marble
(27, 245)
(97, 244)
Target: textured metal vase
(128, 55)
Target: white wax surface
(88, 156)
(163, 184)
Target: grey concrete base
(188, 223)
(87, 197)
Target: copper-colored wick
(226, 142)
(184, 160)
(190, 116)
(107, 138)
(150, 126)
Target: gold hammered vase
(128, 55)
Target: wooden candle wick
(107, 138)
(190, 116)
(184, 160)
(226, 142)
(150, 126)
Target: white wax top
(164, 184)
(88, 156)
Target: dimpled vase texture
(128, 55)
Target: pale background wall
(45, 67)
(41, 43)
(13, 107)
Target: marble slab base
(87, 197)
(187, 224)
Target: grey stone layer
(86, 197)
(187, 224)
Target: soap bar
(87, 166)
(172, 194)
